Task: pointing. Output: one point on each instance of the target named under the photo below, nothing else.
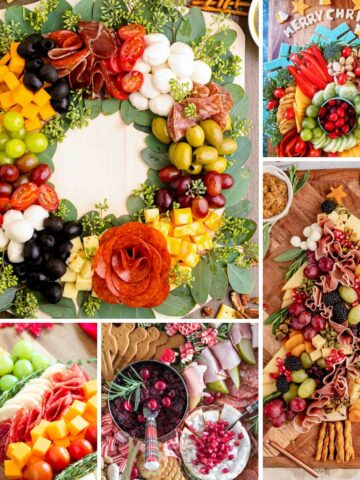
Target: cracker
(135, 337)
(143, 348)
(173, 342)
(163, 338)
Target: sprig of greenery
(71, 20)
(62, 211)
(240, 128)
(179, 90)
(26, 304)
(91, 305)
(39, 15)
(130, 387)
(9, 33)
(7, 277)
(180, 276)
(94, 223)
(297, 184)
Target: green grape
(13, 121)
(23, 368)
(6, 365)
(23, 349)
(36, 142)
(15, 148)
(39, 361)
(21, 133)
(4, 138)
(7, 382)
(5, 160)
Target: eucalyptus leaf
(240, 187)
(144, 118)
(240, 279)
(94, 106)
(72, 211)
(110, 106)
(63, 309)
(128, 112)
(55, 18)
(18, 14)
(240, 209)
(178, 303)
(155, 144)
(134, 203)
(192, 27)
(85, 9)
(7, 298)
(220, 283)
(202, 282)
(290, 254)
(154, 160)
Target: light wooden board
(305, 207)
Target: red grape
(216, 202)
(212, 181)
(168, 174)
(164, 199)
(227, 181)
(40, 174)
(200, 207)
(5, 189)
(9, 173)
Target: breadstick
(320, 442)
(340, 454)
(331, 441)
(325, 450)
(348, 441)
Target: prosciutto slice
(213, 371)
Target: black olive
(49, 74)
(47, 240)
(45, 45)
(32, 81)
(61, 106)
(72, 229)
(59, 90)
(26, 48)
(33, 64)
(51, 291)
(32, 251)
(36, 279)
(55, 268)
(20, 270)
(53, 224)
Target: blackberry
(282, 384)
(328, 206)
(293, 363)
(332, 298)
(340, 313)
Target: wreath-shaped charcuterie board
(174, 179)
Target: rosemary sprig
(130, 386)
(294, 267)
(79, 469)
(277, 318)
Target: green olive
(228, 123)
(205, 155)
(218, 166)
(195, 168)
(171, 152)
(195, 136)
(228, 146)
(213, 133)
(182, 156)
(159, 129)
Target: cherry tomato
(132, 82)
(346, 52)
(24, 196)
(279, 92)
(342, 79)
(9, 173)
(48, 198)
(115, 88)
(132, 49)
(271, 104)
(58, 458)
(40, 471)
(40, 174)
(130, 31)
(91, 434)
(5, 204)
(314, 152)
(80, 448)
(289, 113)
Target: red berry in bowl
(274, 409)
(312, 271)
(160, 386)
(298, 404)
(152, 404)
(309, 333)
(166, 402)
(145, 373)
(318, 322)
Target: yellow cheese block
(41, 446)
(57, 430)
(77, 425)
(90, 388)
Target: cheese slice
(296, 280)
(271, 366)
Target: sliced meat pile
(80, 56)
(211, 101)
(132, 266)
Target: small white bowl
(279, 173)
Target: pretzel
(320, 442)
(340, 453)
(331, 441)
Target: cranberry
(298, 404)
(145, 373)
(318, 322)
(152, 404)
(312, 271)
(166, 402)
(326, 264)
(309, 333)
(160, 386)
(127, 406)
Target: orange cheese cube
(46, 112)
(3, 70)
(30, 111)
(39, 430)
(76, 409)
(11, 470)
(57, 430)
(62, 442)
(41, 97)
(90, 388)
(91, 405)
(181, 216)
(77, 425)
(22, 95)
(11, 81)
(20, 453)
(7, 100)
(5, 59)
(32, 125)
(41, 446)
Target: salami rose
(132, 266)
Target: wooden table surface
(63, 342)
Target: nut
(252, 312)
(208, 312)
(237, 301)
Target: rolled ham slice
(213, 371)
(226, 355)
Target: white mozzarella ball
(139, 101)
(312, 246)
(183, 49)
(156, 38)
(295, 241)
(147, 89)
(162, 104)
(141, 66)
(4, 239)
(11, 216)
(156, 53)
(307, 232)
(303, 245)
(315, 236)
(20, 231)
(36, 216)
(15, 252)
(201, 72)
(155, 68)
(161, 79)
(182, 65)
